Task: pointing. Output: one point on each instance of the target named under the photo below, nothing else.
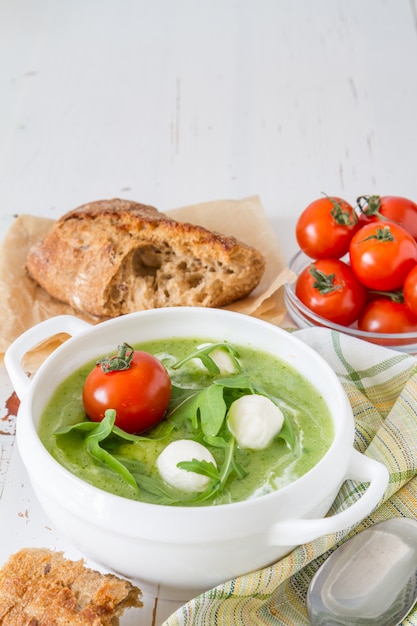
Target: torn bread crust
(39, 587)
(112, 257)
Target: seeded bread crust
(39, 587)
(112, 257)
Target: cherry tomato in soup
(133, 383)
(382, 254)
(325, 228)
(329, 288)
(383, 315)
(390, 208)
(410, 290)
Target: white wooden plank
(172, 103)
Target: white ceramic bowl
(186, 550)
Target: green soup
(307, 424)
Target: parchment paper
(24, 304)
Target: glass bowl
(303, 317)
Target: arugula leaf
(230, 464)
(203, 354)
(159, 432)
(218, 479)
(87, 426)
(187, 410)
(241, 381)
(287, 433)
(205, 468)
(157, 488)
(153, 484)
(219, 442)
(206, 407)
(212, 409)
(179, 394)
(98, 431)
(216, 442)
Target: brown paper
(24, 304)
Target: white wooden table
(173, 102)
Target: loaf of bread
(112, 257)
(42, 588)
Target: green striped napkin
(382, 387)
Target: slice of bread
(112, 257)
(39, 587)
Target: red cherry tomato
(382, 254)
(329, 288)
(410, 290)
(139, 393)
(383, 315)
(325, 228)
(391, 208)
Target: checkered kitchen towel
(382, 387)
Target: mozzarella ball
(183, 450)
(254, 421)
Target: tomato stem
(324, 283)
(394, 296)
(371, 206)
(342, 217)
(119, 361)
(381, 234)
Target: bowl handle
(31, 338)
(362, 469)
